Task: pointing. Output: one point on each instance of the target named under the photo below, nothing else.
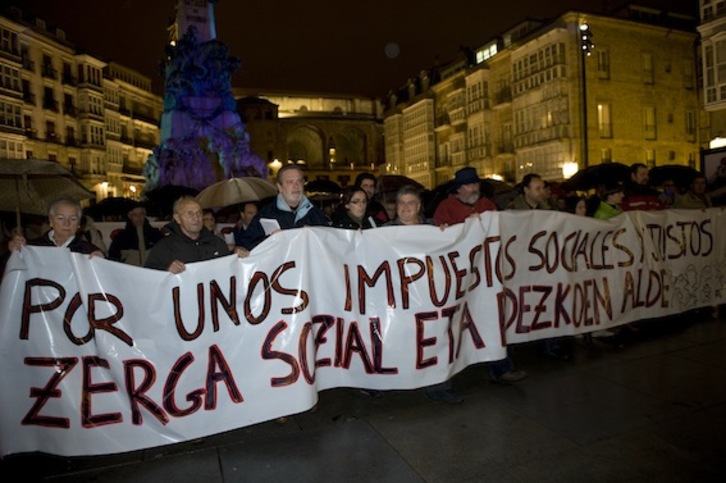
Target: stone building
(97, 118)
(333, 137)
(541, 98)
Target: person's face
(408, 207)
(581, 208)
(369, 186)
(357, 204)
(469, 193)
(292, 187)
(65, 222)
(189, 218)
(615, 198)
(209, 222)
(641, 176)
(249, 213)
(699, 186)
(390, 207)
(137, 216)
(535, 192)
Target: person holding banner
(467, 200)
(64, 216)
(535, 197)
(352, 213)
(409, 212)
(456, 209)
(188, 241)
(290, 209)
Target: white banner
(100, 357)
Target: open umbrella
(322, 186)
(161, 200)
(30, 185)
(234, 191)
(681, 175)
(322, 190)
(390, 183)
(596, 175)
(113, 208)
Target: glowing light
(717, 143)
(569, 169)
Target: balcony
(505, 148)
(49, 72)
(146, 118)
(144, 142)
(31, 133)
(68, 80)
(126, 140)
(70, 110)
(503, 96)
(50, 104)
(52, 137)
(28, 64)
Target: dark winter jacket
(77, 245)
(125, 245)
(178, 246)
(306, 214)
(343, 220)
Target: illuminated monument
(203, 139)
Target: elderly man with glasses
(188, 240)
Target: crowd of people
(191, 235)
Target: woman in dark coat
(351, 213)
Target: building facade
(533, 100)
(98, 119)
(332, 137)
(712, 29)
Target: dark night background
(326, 46)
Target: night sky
(327, 46)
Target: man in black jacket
(133, 244)
(188, 240)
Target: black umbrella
(113, 208)
(679, 174)
(391, 183)
(597, 175)
(161, 200)
(322, 186)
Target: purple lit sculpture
(203, 139)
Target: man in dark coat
(291, 208)
(133, 244)
(188, 240)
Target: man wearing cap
(133, 244)
(467, 200)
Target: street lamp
(586, 46)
